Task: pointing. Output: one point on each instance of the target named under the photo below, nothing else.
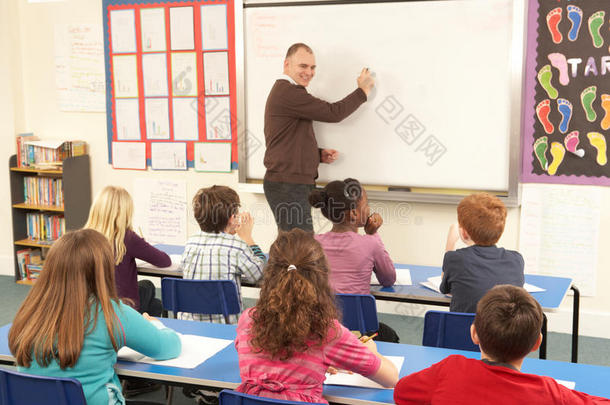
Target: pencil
(367, 338)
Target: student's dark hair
(483, 216)
(296, 306)
(337, 198)
(295, 47)
(508, 322)
(214, 206)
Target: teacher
(292, 156)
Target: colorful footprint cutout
(557, 152)
(598, 141)
(542, 112)
(565, 109)
(587, 97)
(571, 142)
(540, 147)
(595, 24)
(559, 61)
(606, 106)
(552, 22)
(545, 74)
(575, 17)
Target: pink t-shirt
(352, 258)
(301, 377)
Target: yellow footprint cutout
(558, 152)
(598, 141)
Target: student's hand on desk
(328, 155)
(334, 370)
(373, 223)
(372, 346)
(148, 317)
(245, 228)
(366, 81)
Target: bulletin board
(171, 84)
(567, 100)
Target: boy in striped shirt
(224, 248)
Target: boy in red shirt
(506, 328)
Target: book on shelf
(46, 154)
(26, 257)
(45, 228)
(33, 271)
(43, 191)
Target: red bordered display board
(171, 84)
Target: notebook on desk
(403, 277)
(175, 266)
(357, 380)
(434, 284)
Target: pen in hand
(365, 339)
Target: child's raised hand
(452, 237)
(245, 228)
(373, 223)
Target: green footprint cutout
(545, 74)
(540, 147)
(595, 23)
(587, 97)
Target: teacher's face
(301, 67)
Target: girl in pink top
(352, 257)
(292, 337)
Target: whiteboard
(441, 114)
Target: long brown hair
(296, 307)
(77, 279)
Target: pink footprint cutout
(571, 143)
(552, 21)
(559, 61)
(543, 110)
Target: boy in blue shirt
(470, 272)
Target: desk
(556, 289)
(222, 369)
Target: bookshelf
(76, 184)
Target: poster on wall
(170, 79)
(566, 125)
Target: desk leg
(542, 349)
(575, 320)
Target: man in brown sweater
(292, 155)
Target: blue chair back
(201, 296)
(25, 389)
(359, 312)
(450, 330)
(229, 397)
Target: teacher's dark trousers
(290, 204)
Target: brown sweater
(292, 154)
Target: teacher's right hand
(366, 81)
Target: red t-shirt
(458, 380)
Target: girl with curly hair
(288, 341)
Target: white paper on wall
(152, 22)
(216, 73)
(186, 126)
(154, 71)
(182, 28)
(123, 31)
(213, 157)
(128, 119)
(184, 74)
(559, 232)
(168, 155)
(129, 155)
(157, 118)
(217, 118)
(160, 210)
(125, 75)
(214, 27)
(79, 67)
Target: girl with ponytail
(288, 341)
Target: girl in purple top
(111, 215)
(352, 257)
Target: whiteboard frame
(510, 197)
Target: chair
(25, 389)
(359, 312)
(229, 397)
(450, 330)
(201, 296)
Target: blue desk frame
(550, 300)
(222, 370)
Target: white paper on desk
(175, 266)
(182, 28)
(214, 26)
(195, 350)
(433, 283)
(403, 277)
(568, 384)
(356, 380)
(530, 288)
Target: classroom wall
(413, 233)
